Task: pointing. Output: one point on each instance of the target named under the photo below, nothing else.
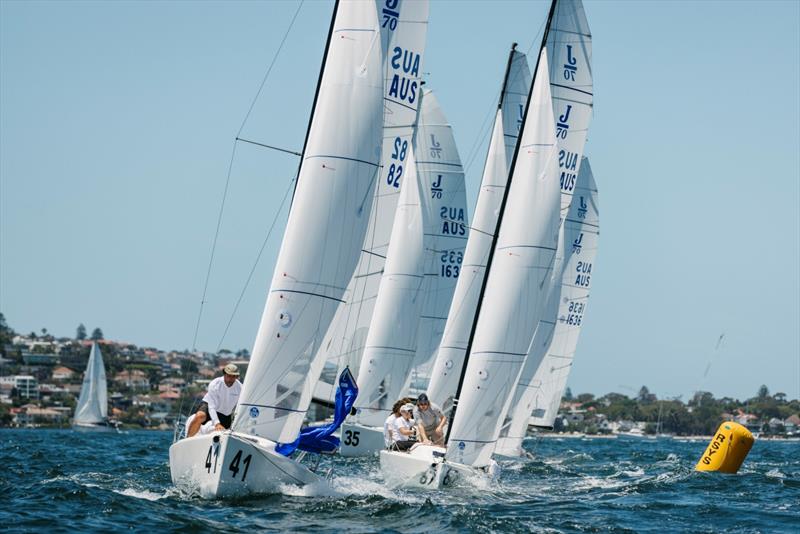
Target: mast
(316, 93)
(499, 223)
(505, 78)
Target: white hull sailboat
(91, 413)
(510, 303)
(323, 238)
(422, 266)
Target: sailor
(219, 402)
(430, 421)
(387, 425)
(403, 429)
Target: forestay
(392, 338)
(453, 346)
(569, 43)
(403, 27)
(326, 227)
(93, 401)
(516, 286)
(446, 225)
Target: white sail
(569, 46)
(404, 27)
(444, 205)
(516, 286)
(93, 401)
(325, 231)
(392, 338)
(453, 346)
(552, 357)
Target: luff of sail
(516, 284)
(392, 338)
(404, 27)
(92, 405)
(569, 45)
(453, 346)
(325, 230)
(446, 227)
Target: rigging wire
(230, 167)
(255, 263)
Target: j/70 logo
(562, 126)
(390, 14)
(570, 67)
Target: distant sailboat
(91, 413)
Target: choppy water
(59, 480)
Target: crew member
(219, 402)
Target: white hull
(229, 464)
(425, 468)
(93, 427)
(361, 440)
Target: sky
(117, 126)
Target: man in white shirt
(219, 402)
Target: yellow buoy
(727, 450)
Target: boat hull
(361, 440)
(226, 464)
(423, 468)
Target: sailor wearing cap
(403, 429)
(219, 402)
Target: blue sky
(117, 123)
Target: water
(59, 480)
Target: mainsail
(453, 346)
(569, 45)
(552, 358)
(516, 284)
(404, 27)
(446, 227)
(325, 231)
(93, 401)
(392, 338)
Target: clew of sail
(93, 401)
(446, 225)
(404, 27)
(516, 285)
(569, 45)
(392, 338)
(453, 345)
(325, 231)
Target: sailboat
(570, 49)
(509, 306)
(405, 26)
(508, 119)
(91, 413)
(544, 376)
(422, 265)
(320, 248)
